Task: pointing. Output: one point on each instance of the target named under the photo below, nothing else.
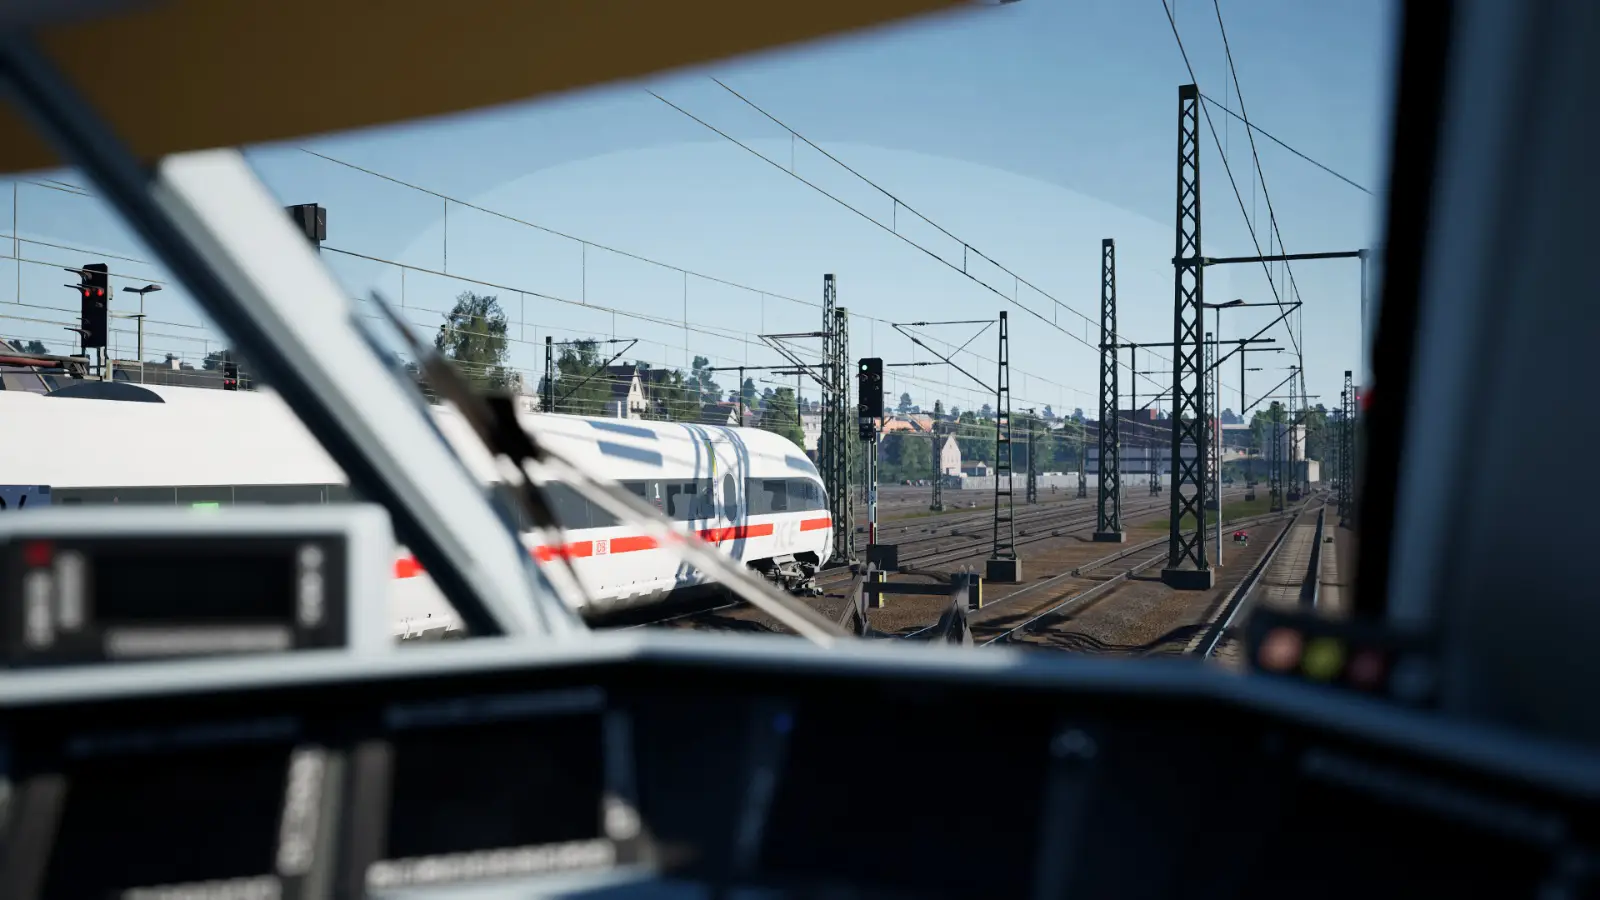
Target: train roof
(198, 436)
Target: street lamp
(149, 288)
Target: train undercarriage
(795, 574)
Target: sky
(1029, 131)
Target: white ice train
(752, 493)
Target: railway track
(708, 613)
(1106, 573)
(1151, 623)
(1038, 525)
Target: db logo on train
(602, 546)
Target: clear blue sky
(1031, 131)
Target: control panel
(148, 583)
(660, 765)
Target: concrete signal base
(1110, 537)
(1003, 571)
(1189, 579)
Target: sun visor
(178, 75)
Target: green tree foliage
(1319, 437)
(473, 337)
(903, 455)
(905, 404)
(35, 347)
(701, 381)
(975, 437)
(582, 387)
(778, 415)
(675, 398)
(1261, 427)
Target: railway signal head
(94, 281)
(869, 383)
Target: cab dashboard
(695, 766)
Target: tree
(473, 337)
(1317, 433)
(985, 411)
(778, 415)
(748, 389)
(701, 381)
(676, 398)
(35, 347)
(1261, 427)
(1077, 414)
(1048, 412)
(905, 404)
(976, 439)
(904, 455)
(581, 386)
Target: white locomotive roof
(202, 436)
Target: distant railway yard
(1076, 594)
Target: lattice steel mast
(938, 445)
(837, 419)
(1275, 470)
(1296, 432)
(1347, 452)
(1033, 468)
(1187, 565)
(1003, 565)
(1109, 522)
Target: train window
(730, 498)
(569, 508)
(683, 502)
(637, 488)
(108, 496)
(804, 494)
(280, 494)
(777, 495)
(204, 495)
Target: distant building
(949, 456)
(811, 429)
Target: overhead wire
(1228, 169)
(1266, 195)
(1014, 301)
(1269, 136)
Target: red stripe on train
(408, 567)
(717, 535)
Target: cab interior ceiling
(317, 67)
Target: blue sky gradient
(1031, 131)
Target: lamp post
(149, 288)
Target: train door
(727, 492)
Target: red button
(37, 554)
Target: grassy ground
(1231, 509)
